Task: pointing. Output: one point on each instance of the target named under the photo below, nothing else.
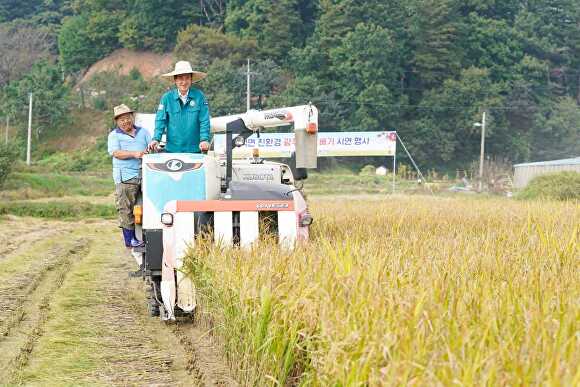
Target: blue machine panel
(170, 176)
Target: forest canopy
(426, 68)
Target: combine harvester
(185, 195)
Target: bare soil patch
(123, 61)
(20, 233)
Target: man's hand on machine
(153, 146)
(204, 146)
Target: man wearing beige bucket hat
(126, 144)
(183, 114)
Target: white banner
(329, 144)
(282, 144)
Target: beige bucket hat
(122, 109)
(184, 67)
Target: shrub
(94, 158)
(99, 103)
(368, 170)
(557, 186)
(8, 155)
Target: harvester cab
(225, 194)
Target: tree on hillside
(281, 31)
(51, 97)
(212, 13)
(558, 133)
(202, 45)
(86, 38)
(443, 130)
(20, 48)
(366, 68)
(307, 88)
(436, 52)
(154, 24)
(16, 9)
(550, 30)
(277, 26)
(491, 44)
(268, 80)
(370, 55)
(225, 85)
(224, 88)
(506, 10)
(89, 6)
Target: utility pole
(29, 129)
(7, 124)
(394, 166)
(414, 164)
(82, 92)
(482, 153)
(248, 87)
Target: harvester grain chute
(185, 195)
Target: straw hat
(121, 109)
(184, 67)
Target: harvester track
(16, 237)
(203, 361)
(69, 314)
(24, 304)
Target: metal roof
(572, 161)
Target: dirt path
(70, 315)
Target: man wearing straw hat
(183, 114)
(127, 143)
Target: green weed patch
(556, 186)
(58, 210)
(25, 185)
(343, 182)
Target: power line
(419, 107)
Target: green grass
(417, 290)
(556, 186)
(343, 182)
(70, 349)
(77, 161)
(27, 185)
(58, 210)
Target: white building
(523, 173)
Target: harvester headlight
(167, 219)
(305, 219)
(239, 141)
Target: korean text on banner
(329, 144)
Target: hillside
(428, 69)
(122, 61)
(86, 128)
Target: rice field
(404, 291)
